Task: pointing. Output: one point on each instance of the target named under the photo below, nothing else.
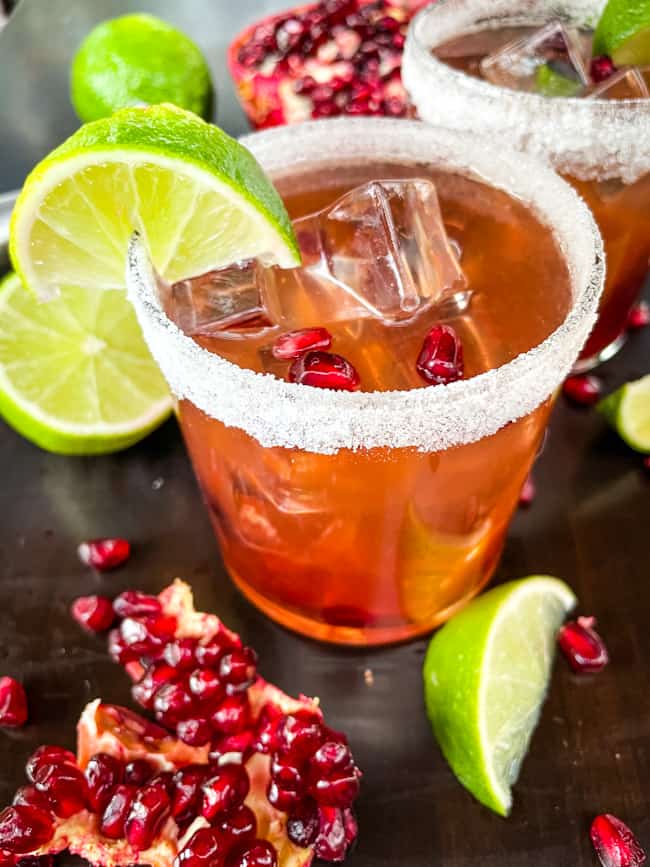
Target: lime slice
(485, 678)
(75, 374)
(138, 59)
(623, 32)
(198, 197)
(628, 412)
(549, 82)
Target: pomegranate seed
(233, 715)
(303, 824)
(304, 85)
(394, 106)
(239, 825)
(187, 790)
(582, 645)
(117, 810)
(154, 677)
(233, 748)
(639, 316)
(173, 702)
(281, 799)
(337, 790)
(205, 848)
(133, 603)
(138, 772)
(300, 735)
(584, 389)
(441, 358)
(195, 732)
(103, 773)
(65, 786)
(149, 809)
(331, 756)
(13, 703)
(104, 554)
(29, 796)
(47, 755)
(118, 650)
(259, 853)
(286, 774)
(351, 826)
(295, 343)
(206, 686)
(224, 790)
(138, 636)
(331, 843)
(527, 493)
(267, 739)
(94, 613)
(208, 655)
(180, 653)
(615, 844)
(324, 370)
(237, 669)
(601, 68)
(23, 829)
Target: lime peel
(628, 412)
(623, 32)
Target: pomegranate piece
(149, 809)
(601, 68)
(441, 358)
(133, 603)
(324, 370)
(65, 787)
(583, 647)
(23, 829)
(295, 343)
(207, 847)
(259, 853)
(104, 554)
(639, 316)
(239, 825)
(224, 790)
(94, 613)
(303, 823)
(103, 773)
(187, 790)
(116, 811)
(615, 844)
(584, 390)
(47, 755)
(528, 492)
(138, 772)
(237, 669)
(13, 703)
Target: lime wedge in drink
(138, 59)
(550, 82)
(198, 197)
(623, 32)
(485, 678)
(75, 374)
(628, 412)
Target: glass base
(583, 365)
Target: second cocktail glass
(370, 516)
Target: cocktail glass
(602, 146)
(370, 516)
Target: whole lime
(138, 59)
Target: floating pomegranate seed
(138, 772)
(303, 823)
(267, 738)
(29, 796)
(65, 786)
(103, 773)
(259, 853)
(239, 825)
(235, 748)
(117, 810)
(195, 732)
(583, 389)
(173, 702)
(441, 358)
(639, 316)
(154, 677)
(224, 790)
(104, 554)
(133, 603)
(527, 493)
(601, 68)
(205, 848)
(94, 613)
(582, 645)
(13, 703)
(300, 735)
(187, 790)
(180, 653)
(233, 715)
(23, 829)
(237, 669)
(324, 370)
(149, 809)
(339, 789)
(47, 755)
(282, 799)
(294, 343)
(331, 843)
(206, 685)
(615, 844)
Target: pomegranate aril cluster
(311, 364)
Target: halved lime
(486, 674)
(628, 412)
(623, 32)
(75, 374)
(198, 197)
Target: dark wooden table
(590, 525)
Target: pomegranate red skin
(224, 790)
(104, 554)
(324, 370)
(601, 68)
(615, 844)
(583, 390)
(23, 829)
(639, 316)
(583, 647)
(441, 358)
(13, 703)
(292, 344)
(47, 754)
(117, 810)
(149, 809)
(93, 613)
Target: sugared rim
(595, 138)
(278, 413)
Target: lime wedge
(485, 678)
(198, 197)
(623, 32)
(549, 82)
(628, 412)
(75, 374)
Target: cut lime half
(623, 32)
(628, 412)
(75, 374)
(486, 674)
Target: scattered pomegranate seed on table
(639, 316)
(646, 463)
(295, 343)
(104, 554)
(583, 389)
(441, 358)
(601, 68)
(13, 703)
(94, 613)
(615, 844)
(528, 492)
(324, 370)
(583, 647)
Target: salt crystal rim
(589, 139)
(434, 418)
